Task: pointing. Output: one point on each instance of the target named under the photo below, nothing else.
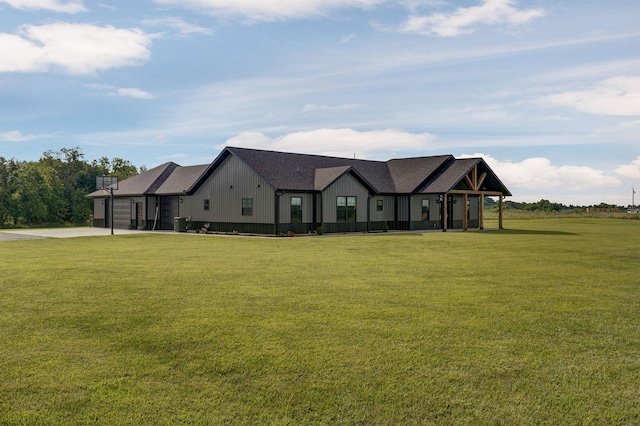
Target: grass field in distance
(536, 324)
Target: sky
(547, 92)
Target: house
(269, 192)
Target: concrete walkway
(33, 234)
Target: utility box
(180, 224)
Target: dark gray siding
(456, 211)
(474, 212)
(388, 209)
(433, 221)
(284, 216)
(232, 181)
(285, 207)
(346, 186)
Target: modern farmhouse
(268, 192)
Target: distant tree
(8, 171)
(77, 179)
(39, 195)
(53, 190)
(122, 169)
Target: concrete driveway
(33, 234)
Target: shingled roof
(140, 184)
(302, 172)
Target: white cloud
(261, 10)
(72, 6)
(133, 92)
(615, 96)
(463, 19)
(345, 107)
(492, 112)
(337, 142)
(348, 38)
(76, 48)
(630, 171)
(17, 136)
(178, 24)
(540, 174)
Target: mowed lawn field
(536, 324)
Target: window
(379, 205)
(346, 209)
(206, 205)
(296, 209)
(425, 209)
(247, 207)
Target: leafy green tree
(122, 169)
(39, 195)
(9, 170)
(53, 189)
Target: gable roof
(166, 179)
(141, 183)
(410, 173)
(289, 171)
(324, 177)
(302, 172)
(452, 176)
(180, 180)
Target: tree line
(545, 206)
(52, 190)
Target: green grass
(537, 324)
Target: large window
(425, 209)
(296, 209)
(247, 207)
(346, 209)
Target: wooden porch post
(500, 213)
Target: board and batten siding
(232, 181)
(99, 208)
(403, 208)
(285, 207)
(345, 186)
(388, 209)
(474, 207)
(416, 207)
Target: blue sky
(548, 92)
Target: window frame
(295, 210)
(425, 209)
(247, 207)
(346, 209)
(379, 205)
(207, 205)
